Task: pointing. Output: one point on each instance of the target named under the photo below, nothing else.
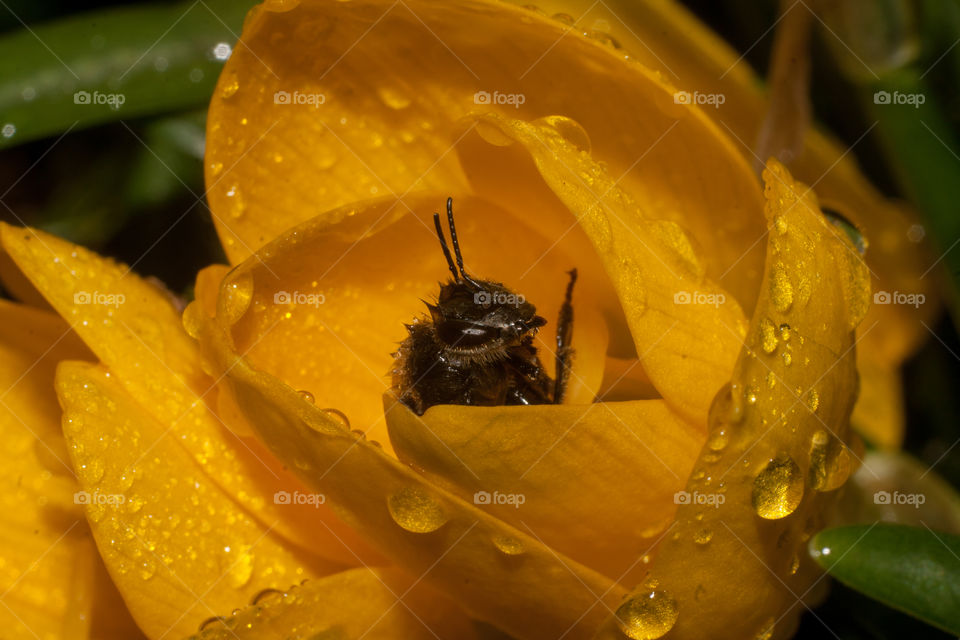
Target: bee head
(474, 313)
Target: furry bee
(476, 347)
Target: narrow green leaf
(913, 569)
(112, 64)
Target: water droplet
(648, 615)
(235, 297)
(307, 396)
(339, 416)
(394, 98)
(605, 38)
(279, 6)
(813, 399)
(147, 569)
(780, 224)
(8, 130)
(794, 565)
(216, 168)
(787, 358)
(718, 439)
(768, 336)
(570, 130)
(236, 205)
(209, 623)
(829, 462)
(509, 545)
(916, 233)
(415, 510)
(266, 595)
(778, 489)
(781, 291)
(852, 232)
(703, 536)
(785, 332)
(766, 631)
(241, 568)
(230, 86)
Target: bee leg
(564, 339)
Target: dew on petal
(509, 545)
(307, 396)
(829, 462)
(235, 297)
(778, 489)
(415, 510)
(781, 291)
(648, 615)
(570, 130)
(703, 536)
(768, 336)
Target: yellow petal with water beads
(684, 325)
(368, 603)
(496, 572)
(166, 532)
(131, 325)
(764, 493)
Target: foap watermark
(703, 99)
(297, 97)
(897, 97)
(114, 100)
(897, 498)
(698, 297)
(97, 297)
(897, 297)
(487, 298)
(298, 497)
(298, 298)
(485, 497)
(513, 99)
(85, 497)
(708, 499)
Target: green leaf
(913, 569)
(118, 63)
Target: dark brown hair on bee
(476, 346)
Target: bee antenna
(443, 245)
(456, 244)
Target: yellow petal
(736, 559)
(595, 482)
(879, 414)
(177, 546)
(496, 572)
(323, 307)
(665, 36)
(390, 122)
(686, 328)
(132, 327)
(360, 603)
(47, 560)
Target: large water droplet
(415, 510)
(241, 568)
(648, 615)
(841, 222)
(829, 462)
(570, 130)
(235, 297)
(778, 489)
